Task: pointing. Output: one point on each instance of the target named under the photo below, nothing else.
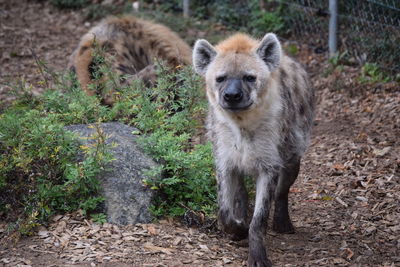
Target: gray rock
(127, 201)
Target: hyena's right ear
(203, 54)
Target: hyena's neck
(263, 120)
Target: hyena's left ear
(270, 50)
(203, 54)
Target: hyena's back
(131, 43)
(297, 112)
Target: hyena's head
(238, 70)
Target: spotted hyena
(261, 109)
(132, 44)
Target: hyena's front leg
(232, 202)
(282, 222)
(265, 187)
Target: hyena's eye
(249, 78)
(220, 79)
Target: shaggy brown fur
(131, 45)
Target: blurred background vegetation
(369, 31)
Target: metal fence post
(186, 8)
(333, 12)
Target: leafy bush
(39, 171)
(169, 116)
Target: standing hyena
(260, 115)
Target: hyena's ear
(203, 54)
(270, 50)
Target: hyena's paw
(282, 224)
(253, 262)
(237, 229)
(240, 233)
(257, 255)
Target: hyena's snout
(234, 97)
(233, 93)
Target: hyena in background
(261, 110)
(132, 45)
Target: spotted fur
(261, 109)
(132, 45)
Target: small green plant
(338, 59)
(336, 63)
(371, 73)
(292, 49)
(99, 218)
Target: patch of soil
(345, 204)
(32, 31)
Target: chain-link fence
(367, 30)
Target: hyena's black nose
(233, 96)
(233, 93)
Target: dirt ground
(345, 203)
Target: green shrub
(169, 116)
(40, 173)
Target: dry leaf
(130, 238)
(339, 167)
(152, 230)
(363, 199)
(340, 201)
(226, 260)
(5, 260)
(177, 241)
(56, 218)
(204, 247)
(61, 227)
(381, 152)
(349, 252)
(153, 248)
(43, 234)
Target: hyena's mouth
(236, 107)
